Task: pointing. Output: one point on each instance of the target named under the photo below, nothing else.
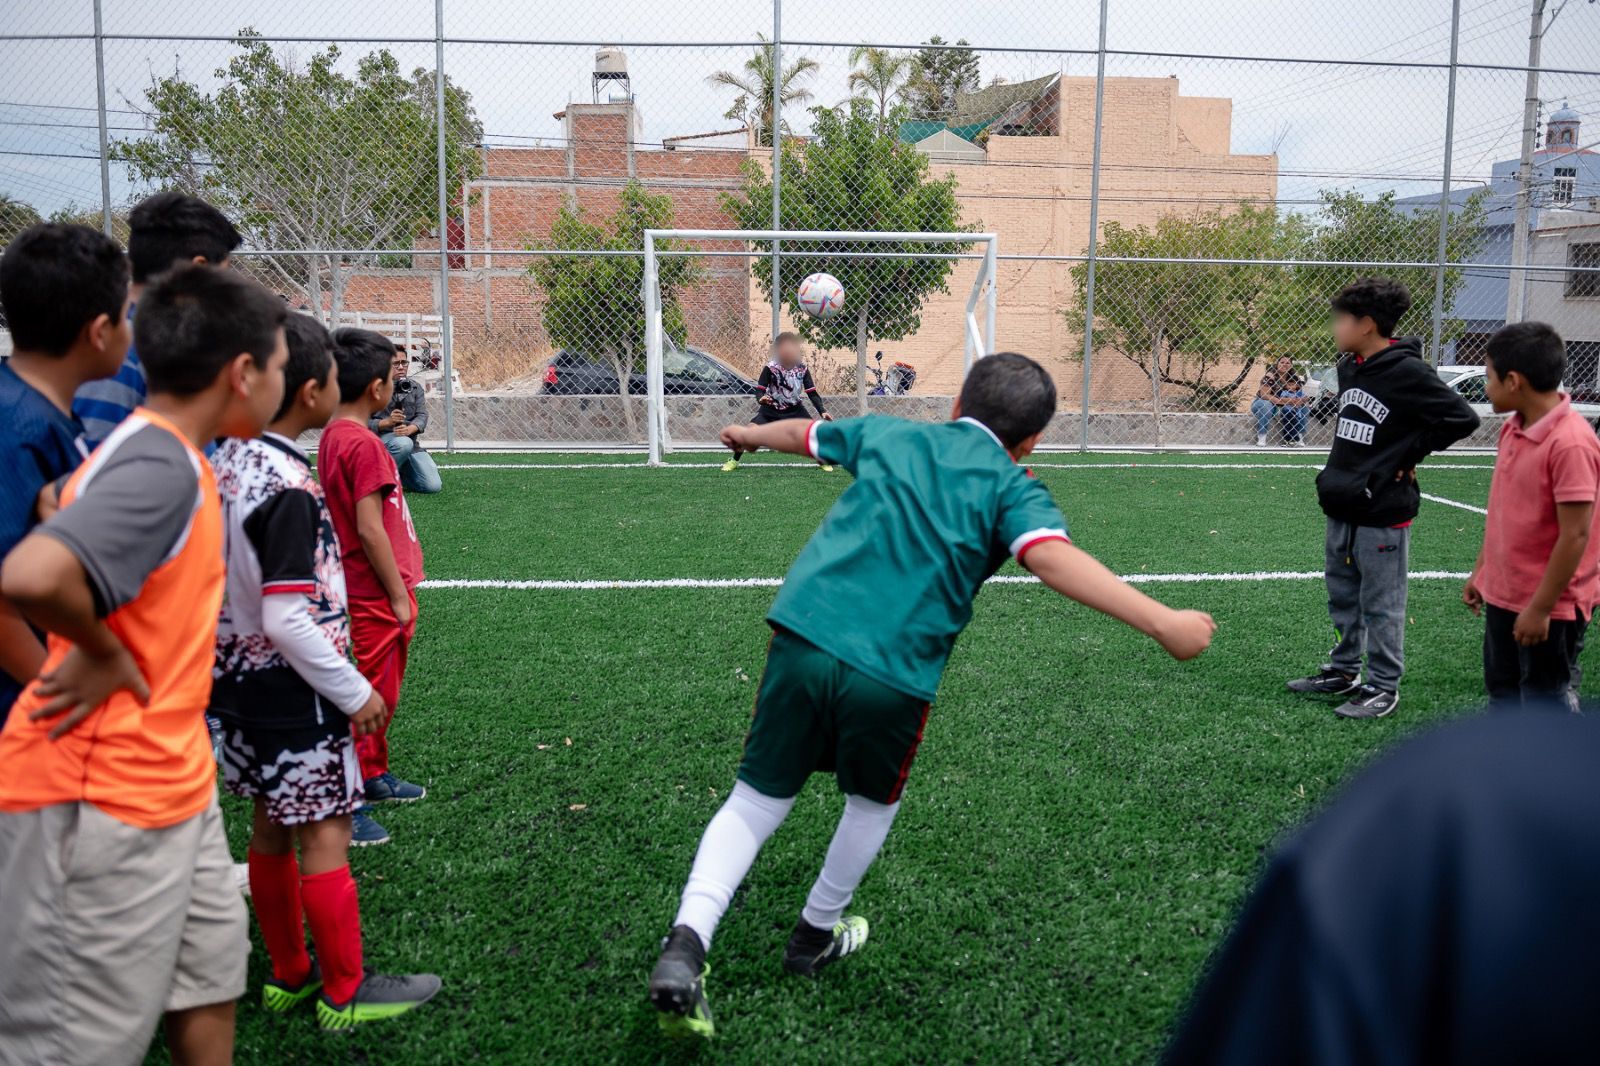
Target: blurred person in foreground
(1443, 909)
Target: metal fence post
(777, 157)
(448, 362)
(100, 114)
(1444, 188)
(1094, 228)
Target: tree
(594, 303)
(1170, 319)
(1224, 301)
(305, 156)
(941, 73)
(15, 216)
(753, 105)
(1350, 229)
(880, 75)
(94, 218)
(855, 174)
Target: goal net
(888, 279)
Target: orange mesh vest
(146, 766)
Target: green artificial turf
(1082, 821)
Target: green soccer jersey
(886, 583)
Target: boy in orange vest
(119, 903)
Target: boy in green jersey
(862, 628)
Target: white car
(1470, 382)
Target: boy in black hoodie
(1393, 411)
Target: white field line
(1455, 503)
(1036, 466)
(774, 582)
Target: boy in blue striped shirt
(165, 230)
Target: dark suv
(685, 372)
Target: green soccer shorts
(814, 713)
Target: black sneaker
(678, 985)
(811, 949)
(1368, 702)
(1326, 682)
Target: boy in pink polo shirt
(1538, 574)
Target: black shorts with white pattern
(305, 773)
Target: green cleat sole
(683, 1027)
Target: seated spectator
(401, 429)
(1282, 395)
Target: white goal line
(554, 585)
(710, 465)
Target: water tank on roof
(610, 61)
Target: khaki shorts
(105, 927)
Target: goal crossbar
(979, 335)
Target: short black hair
(173, 227)
(310, 356)
(1533, 350)
(363, 357)
(55, 279)
(1384, 300)
(196, 320)
(1011, 394)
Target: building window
(1566, 181)
(1583, 283)
(1583, 364)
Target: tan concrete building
(1161, 152)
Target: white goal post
(979, 340)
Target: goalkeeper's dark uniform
(784, 390)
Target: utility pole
(1517, 280)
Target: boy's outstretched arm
(789, 436)
(1079, 576)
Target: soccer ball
(821, 296)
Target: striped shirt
(102, 405)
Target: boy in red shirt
(382, 558)
(1538, 574)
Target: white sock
(861, 832)
(727, 849)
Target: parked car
(1471, 383)
(688, 371)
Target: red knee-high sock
(334, 915)
(275, 890)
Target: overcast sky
(1334, 126)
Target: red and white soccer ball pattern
(821, 296)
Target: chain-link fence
(1196, 181)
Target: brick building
(1026, 177)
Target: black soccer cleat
(810, 949)
(1368, 702)
(678, 987)
(1326, 682)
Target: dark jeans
(1544, 677)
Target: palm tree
(754, 85)
(881, 75)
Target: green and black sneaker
(678, 985)
(380, 996)
(810, 948)
(279, 997)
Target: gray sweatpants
(1366, 572)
